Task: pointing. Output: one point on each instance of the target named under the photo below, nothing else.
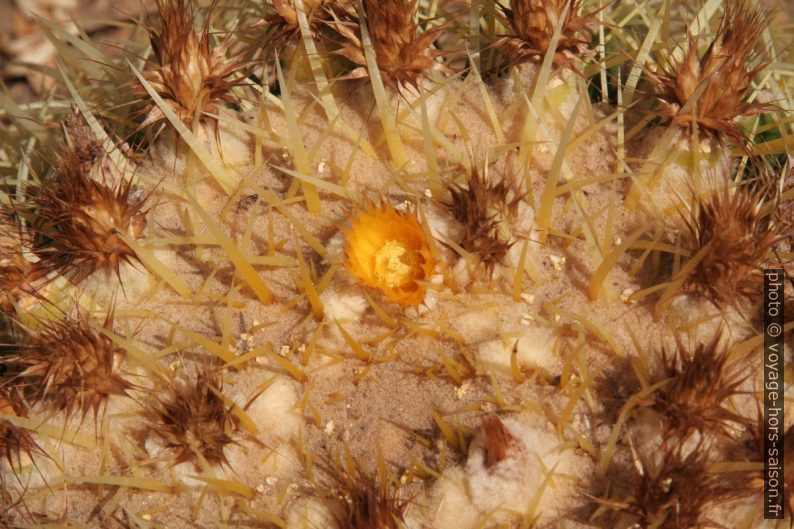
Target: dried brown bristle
(678, 491)
(81, 139)
(281, 21)
(697, 396)
(403, 51)
(68, 365)
(533, 23)
(79, 219)
(481, 207)
(14, 441)
(498, 440)
(193, 419)
(737, 236)
(191, 77)
(726, 71)
(19, 277)
(362, 500)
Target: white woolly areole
(441, 224)
(309, 513)
(514, 483)
(343, 305)
(512, 259)
(731, 325)
(336, 248)
(274, 411)
(133, 281)
(533, 348)
(525, 220)
(183, 472)
(675, 187)
(452, 505)
(276, 464)
(426, 94)
(231, 146)
(536, 348)
(475, 326)
(460, 272)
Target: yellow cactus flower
(388, 250)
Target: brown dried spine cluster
(81, 221)
(677, 485)
(362, 500)
(14, 440)
(733, 235)
(533, 23)
(19, 277)
(482, 207)
(724, 74)
(403, 52)
(193, 420)
(68, 365)
(281, 21)
(697, 396)
(190, 76)
(677, 490)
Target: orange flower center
(391, 268)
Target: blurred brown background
(23, 42)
